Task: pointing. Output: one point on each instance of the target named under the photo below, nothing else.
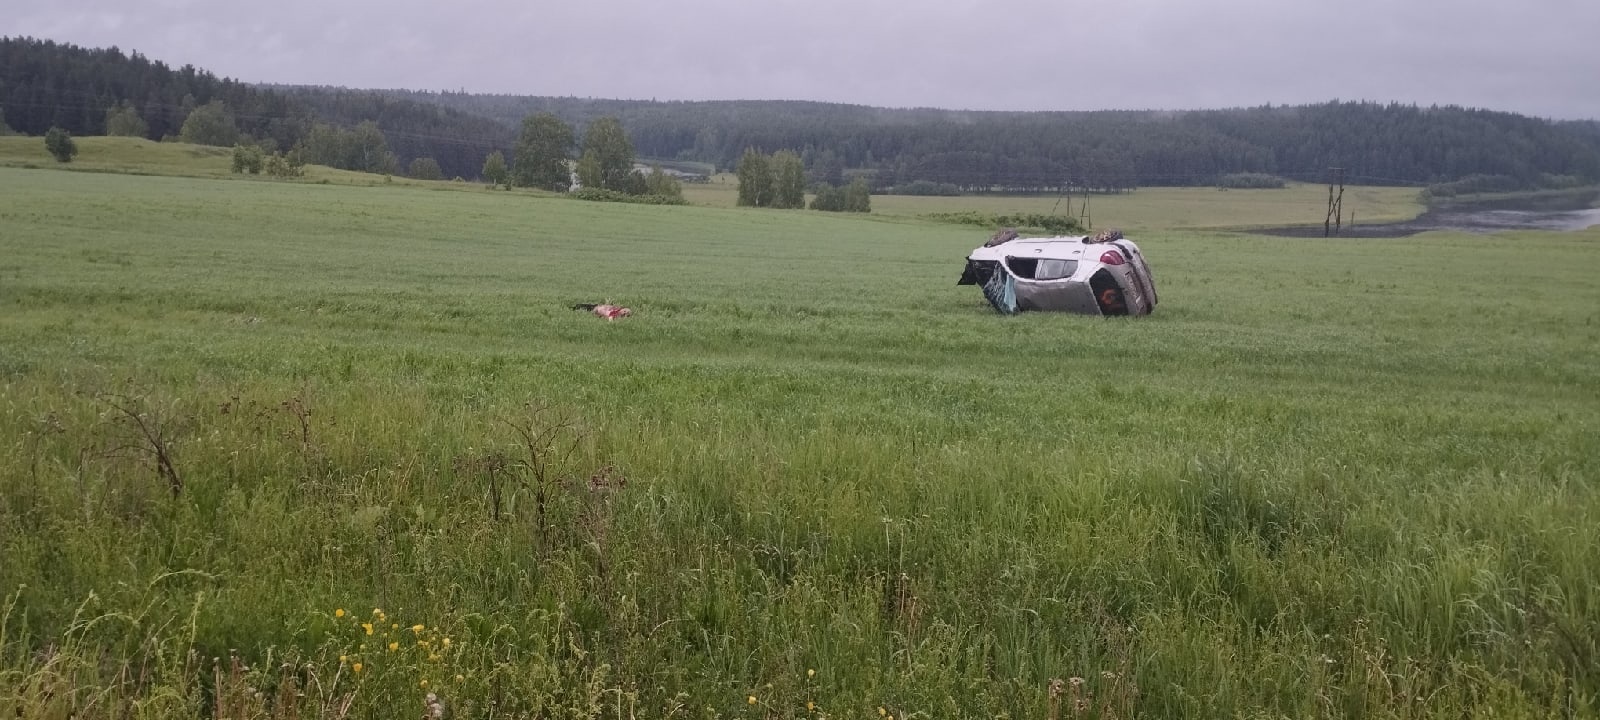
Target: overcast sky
(1538, 57)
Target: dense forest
(1021, 151)
(45, 84)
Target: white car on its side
(1101, 274)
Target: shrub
(59, 143)
(247, 158)
(1251, 181)
(604, 195)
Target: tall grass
(1326, 479)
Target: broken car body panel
(1103, 274)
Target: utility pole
(1335, 204)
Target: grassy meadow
(292, 450)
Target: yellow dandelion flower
(339, 612)
(446, 642)
(343, 659)
(394, 626)
(394, 646)
(460, 678)
(751, 699)
(882, 712)
(362, 646)
(377, 613)
(367, 627)
(424, 643)
(422, 683)
(418, 628)
(811, 673)
(355, 668)
(810, 706)
(433, 658)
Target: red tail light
(1112, 257)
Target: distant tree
(829, 198)
(540, 157)
(756, 187)
(588, 171)
(210, 124)
(124, 120)
(59, 143)
(369, 150)
(789, 180)
(636, 183)
(495, 171)
(425, 168)
(247, 159)
(858, 196)
(612, 151)
(280, 165)
(662, 184)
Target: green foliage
(788, 180)
(362, 149)
(425, 169)
(1250, 181)
(604, 195)
(757, 187)
(210, 124)
(926, 188)
(59, 144)
(607, 148)
(124, 120)
(540, 158)
(829, 198)
(588, 171)
(1056, 224)
(279, 165)
(247, 159)
(661, 184)
(495, 171)
(830, 465)
(857, 196)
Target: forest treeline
(45, 84)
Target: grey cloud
(1532, 57)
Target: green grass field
(253, 434)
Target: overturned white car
(1101, 274)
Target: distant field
(291, 422)
(1143, 209)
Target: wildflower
(810, 706)
(424, 644)
(394, 646)
(367, 627)
(394, 626)
(355, 668)
(446, 642)
(377, 613)
(1107, 674)
(338, 612)
(433, 658)
(362, 646)
(882, 712)
(422, 683)
(811, 673)
(342, 659)
(418, 628)
(751, 700)
(1075, 681)
(460, 678)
